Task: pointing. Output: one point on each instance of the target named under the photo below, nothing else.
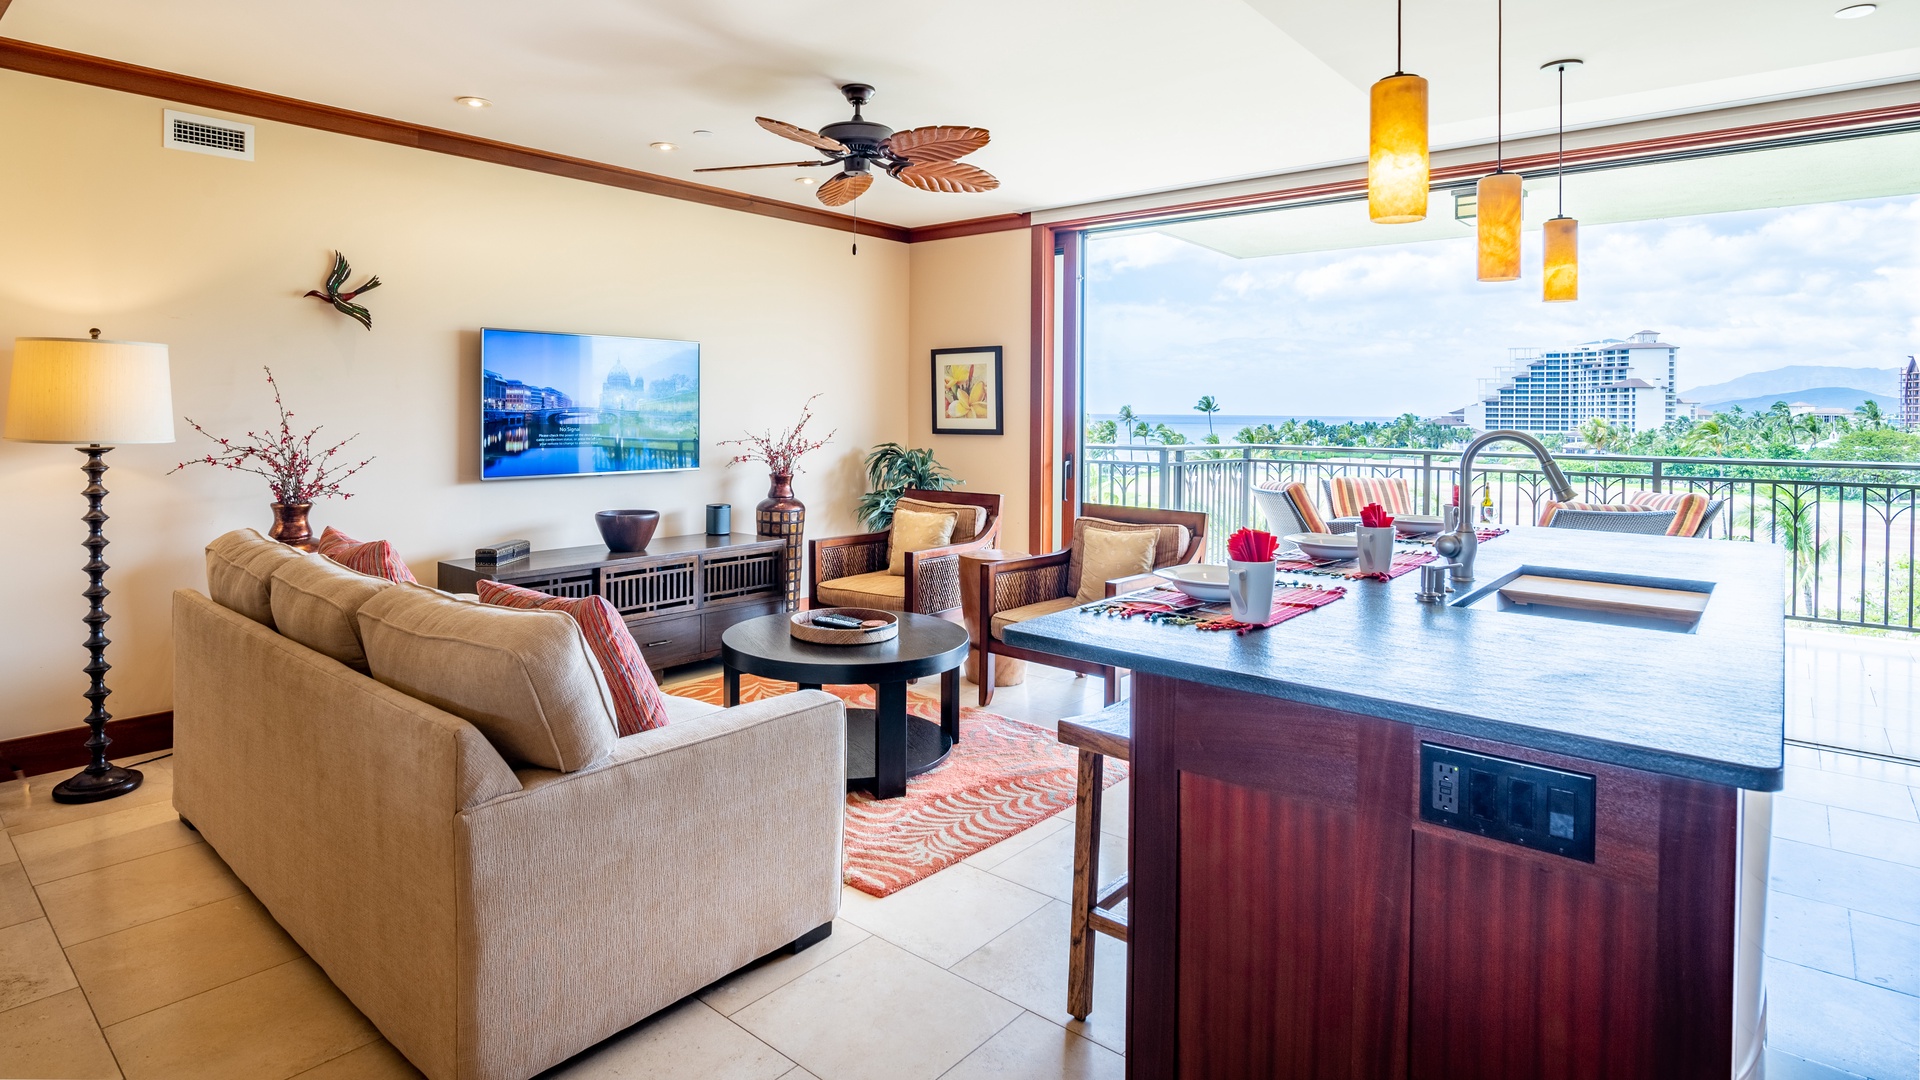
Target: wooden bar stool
(1105, 734)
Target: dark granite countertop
(1708, 705)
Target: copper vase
(290, 525)
(780, 516)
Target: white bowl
(1202, 581)
(1417, 525)
(1326, 545)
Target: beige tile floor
(127, 949)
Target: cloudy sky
(1385, 330)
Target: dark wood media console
(677, 597)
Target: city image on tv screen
(582, 404)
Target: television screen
(581, 404)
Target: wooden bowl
(801, 626)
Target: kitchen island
(1478, 839)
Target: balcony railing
(1849, 527)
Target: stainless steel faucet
(1462, 543)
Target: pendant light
(1562, 279)
(1397, 169)
(1498, 203)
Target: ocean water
(1194, 426)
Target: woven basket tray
(801, 626)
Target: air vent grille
(208, 135)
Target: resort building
(1910, 396)
(1628, 383)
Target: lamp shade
(1562, 281)
(1397, 159)
(83, 391)
(1498, 225)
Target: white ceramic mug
(1250, 590)
(1375, 549)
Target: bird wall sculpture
(343, 301)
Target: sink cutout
(1615, 599)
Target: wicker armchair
(1019, 589)
(851, 571)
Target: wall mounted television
(586, 404)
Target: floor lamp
(94, 395)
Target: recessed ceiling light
(702, 133)
(1856, 11)
(807, 180)
(474, 102)
(664, 147)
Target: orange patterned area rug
(1003, 776)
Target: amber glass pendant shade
(1499, 226)
(1397, 170)
(1562, 281)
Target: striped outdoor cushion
(1689, 508)
(1350, 494)
(375, 557)
(637, 702)
(1309, 515)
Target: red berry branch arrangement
(781, 453)
(295, 472)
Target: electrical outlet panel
(1531, 805)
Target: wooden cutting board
(1679, 605)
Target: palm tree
(1208, 406)
(1597, 432)
(1127, 417)
(1870, 415)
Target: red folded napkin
(1374, 517)
(1252, 545)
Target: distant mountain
(1781, 383)
(1829, 397)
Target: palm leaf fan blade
(946, 176)
(845, 188)
(769, 165)
(939, 142)
(801, 135)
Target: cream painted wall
(210, 256)
(968, 291)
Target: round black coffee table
(884, 744)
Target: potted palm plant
(892, 469)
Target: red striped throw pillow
(1689, 508)
(637, 702)
(1350, 494)
(375, 557)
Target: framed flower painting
(966, 391)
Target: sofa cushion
(376, 557)
(1031, 611)
(314, 602)
(972, 519)
(1107, 554)
(1170, 543)
(239, 566)
(915, 530)
(876, 590)
(637, 704)
(526, 679)
(682, 709)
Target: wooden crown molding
(54, 63)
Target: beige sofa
(491, 917)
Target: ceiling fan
(922, 157)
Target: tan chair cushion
(525, 678)
(1106, 554)
(1031, 611)
(1171, 543)
(973, 519)
(876, 590)
(314, 602)
(682, 709)
(239, 566)
(914, 530)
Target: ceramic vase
(290, 525)
(780, 516)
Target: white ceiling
(1086, 99)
